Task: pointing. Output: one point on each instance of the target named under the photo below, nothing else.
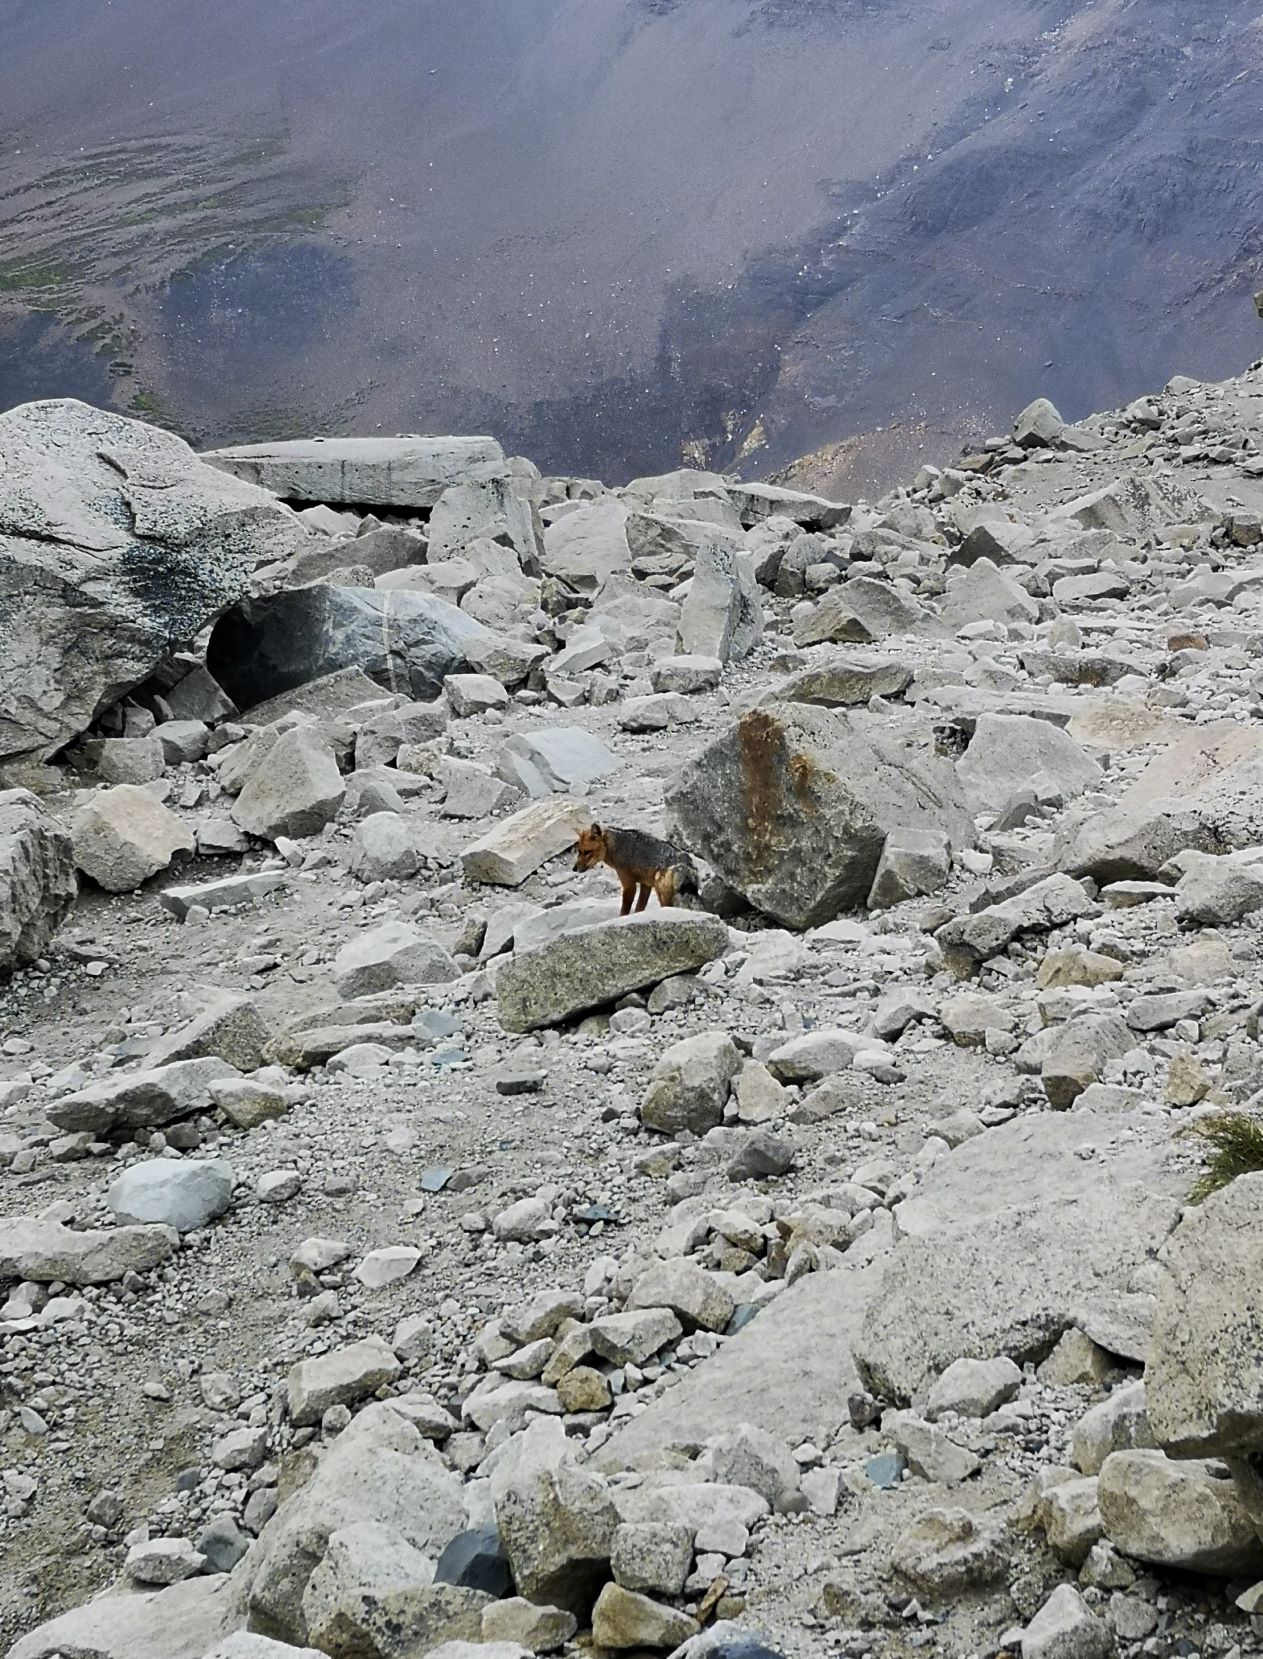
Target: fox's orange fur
(641, 862)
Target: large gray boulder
(792, 805)
(597, 965)
(1016, 1236)
(37, 878)
(362, 472)
(406, 642)
(1185, 1515)
(1204, 1376)
(1009, 752)
(184, 1193)
(183, 1621)
(116, 543)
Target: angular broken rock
(1066, 1628)
(1181, 1515)
(722, 615)
(557, 1520)
(513, 850)
(1202, 1376)
(394, 953)
(859, 611)
(123, 836)
(407, 642)
(1012, 1238)
(1008, 751)
(37, 878)
(295, 791)
(969, 941)
(116, 541)
(1218, 892)
(946, 1552)
(141, 1099)
(374, 1593)
(626, 1619)
(792, 805)
(912, 863)
(597, 965)
(341, 1378)
(44, 1251)
(231, 1028)
(1204, 792)
(689, 1086)
(379, 1469)
(556, 759)
(1078, 1053)
(845, 680)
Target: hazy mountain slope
(612, 231)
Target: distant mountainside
(622, 233)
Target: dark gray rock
(406, 642)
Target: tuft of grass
(17, 275)
(1234, 1147)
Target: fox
(641, 862)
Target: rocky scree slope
(404, 1255)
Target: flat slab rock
(1016, 1236)
(597, 965)
(361, 472)
(44, 1251)
(789, 1371)
(183, 1621)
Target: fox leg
(643, 900)
(629, 893)
(664, 887)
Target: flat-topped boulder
(597, 965)
(361, 472)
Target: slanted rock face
(1203, 1374)
(407, 642)
(116, 543)
(792, 805)
(37, 878)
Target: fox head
(591, 847)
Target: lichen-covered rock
(115, 542)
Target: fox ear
(594, 829)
